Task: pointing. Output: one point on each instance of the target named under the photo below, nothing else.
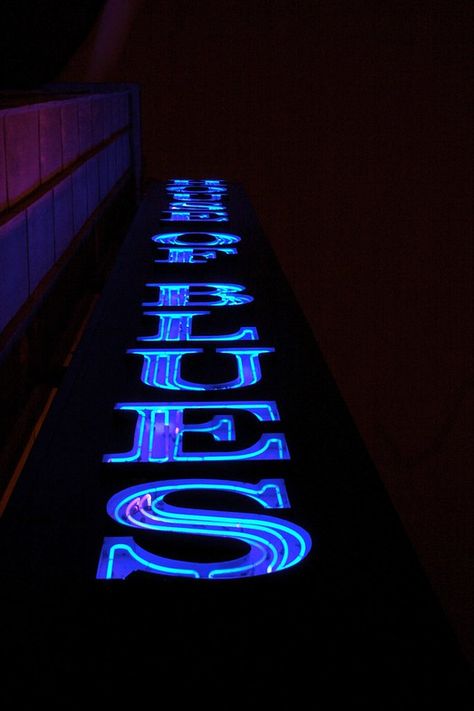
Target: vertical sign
(162, 424)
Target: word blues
(200, 430)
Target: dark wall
(349, 126)
(37, 39)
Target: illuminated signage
(163, 529)
(274, 544)
(193, 247)
(199, 295)
(160, 430)
(196, 201)
(178, 326)
(162, 368)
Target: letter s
(274, 544)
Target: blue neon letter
(202, 182)
(199, 295)
(160, 428)
(197, 193)
(196, 200)
(193, 255)
(162, 368)
(274, 544)
(178, 239)
(180, 214)
(174, 326)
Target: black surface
(37, 40)
(355, 623)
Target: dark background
(349, 124)
(358, 608)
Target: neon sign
(178, 326)
(162, 368)
(177, 239)
(211, 295)
(196, 249)
(274, 544)
(196, 201)
(160, 428)
(193, 255)
(168, 432)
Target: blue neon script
(274, 544)
(160, 428)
